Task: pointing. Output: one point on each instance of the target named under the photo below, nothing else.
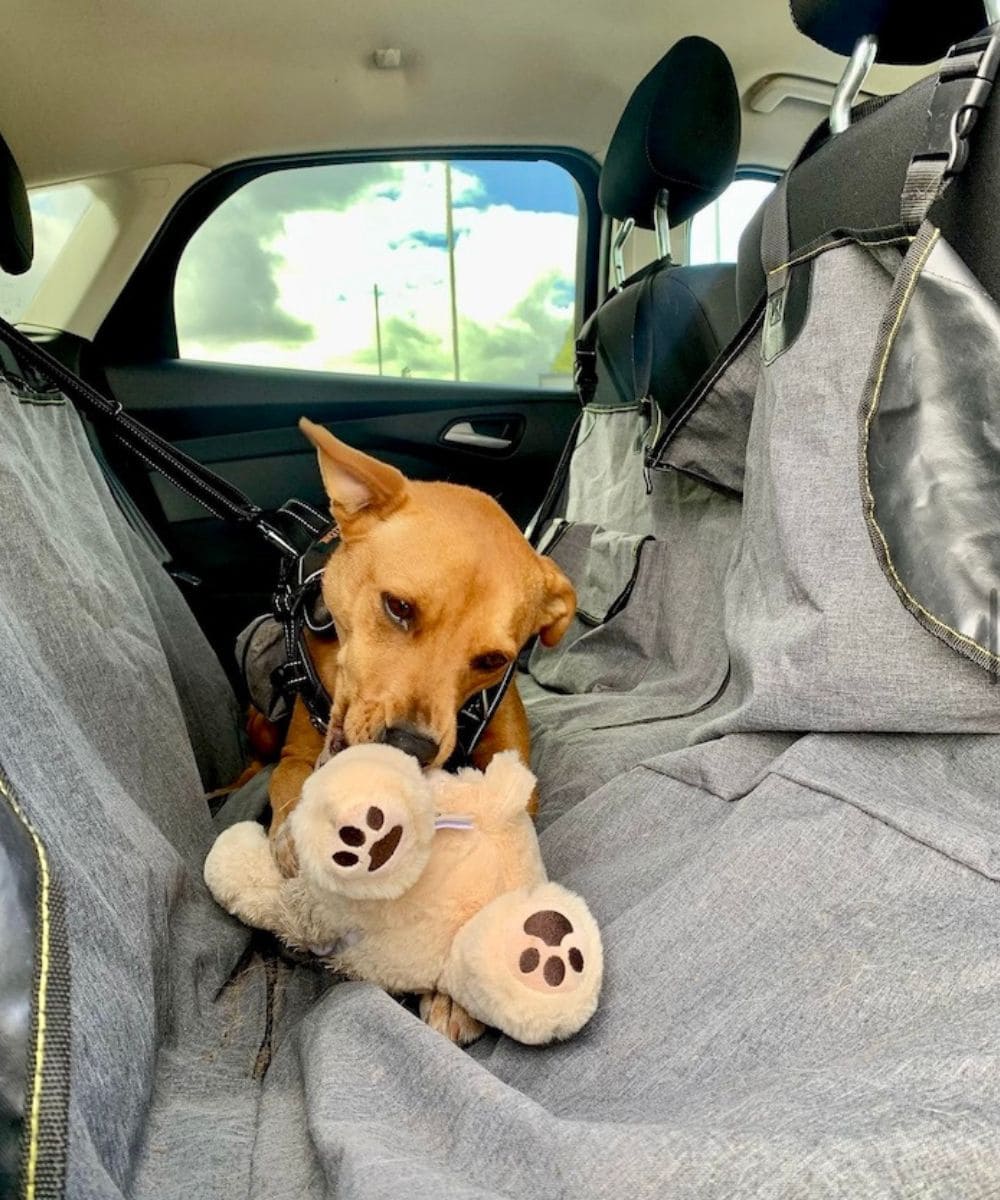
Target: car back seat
(631, 544)
(673, 151)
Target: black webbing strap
(642, 342)
(775, 240)
(963, 88)
(585, 360)
(585, 377)
(221, 498)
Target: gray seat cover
(801, 926)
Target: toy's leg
(242, 875)
(377, 846)
(529, 963)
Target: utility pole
(450, 232)
(378, 328)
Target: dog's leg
(303, 744)
(442, 1013)
(507, 731)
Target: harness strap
(642, 341)
(962, 91)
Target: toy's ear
(510, 782)
(558, 603)
(358, 485)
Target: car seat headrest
(907, 34)
(679, 131)
(17, 243)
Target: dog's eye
(400, 612)
(490, 662)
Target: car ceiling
(120, 84)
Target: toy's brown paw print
(365, 844)
(549, 960)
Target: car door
(423, 307)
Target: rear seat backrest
(656, 334)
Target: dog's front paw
(283, 850)
(442, 1013)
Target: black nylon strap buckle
(964, 84)
(292, 528)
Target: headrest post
(992, 11)
(851, 82)
(661, 223)
(618, 249)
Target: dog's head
(433, 590)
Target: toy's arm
(242, 875)
(507, 731)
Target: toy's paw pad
(440, 1012)
(547, 958)
(364, 846)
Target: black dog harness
(298, 608)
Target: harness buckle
(964, 84)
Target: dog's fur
(477, 591)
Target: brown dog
(433, 591)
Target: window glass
(55, 213)
(428, 270)
(716, 230)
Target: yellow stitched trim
(43, 982)
(876, 394)
(847, 241)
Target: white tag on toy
(453, 821)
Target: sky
(284, 273)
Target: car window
(715, 231)
(55, 213)
(461, 270)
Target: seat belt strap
(962, 91)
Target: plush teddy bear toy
(421, 882)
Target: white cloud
(330, 261)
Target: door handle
(462, 434)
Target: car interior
(705, 296)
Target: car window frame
(141, 327)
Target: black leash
(304, 537)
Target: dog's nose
(411, 741)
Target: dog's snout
(411, 741)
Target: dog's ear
(558, 603)
(355, 483)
